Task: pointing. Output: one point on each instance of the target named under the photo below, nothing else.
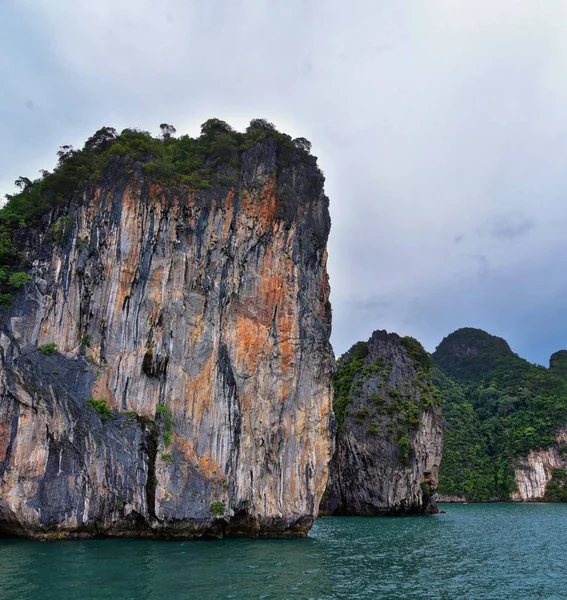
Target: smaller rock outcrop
(389, 432)
(541, 476)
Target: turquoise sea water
(475, 551)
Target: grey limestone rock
(202, 319)
(390, 434)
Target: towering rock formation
(390, 434)
(189, 393)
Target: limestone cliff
(198, 324)
(390, 434)
(534, 473)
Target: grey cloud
(483, 262)
(370, 304)
(428, 118)
(511, 227)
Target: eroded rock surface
(390, 433)
(533, 473)
(204, 320)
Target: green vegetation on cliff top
(212, 159)
(349, 366)
(194, 163)
(365, 393)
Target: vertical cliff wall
(534, 473)
(202, 321)
(390, 435)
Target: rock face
(203, 320)
(390, 434)
(533, 473)
(558, 362)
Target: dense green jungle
(496, 407)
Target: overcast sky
(441, 126)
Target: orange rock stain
(101, 389)
(129, 261)
(251, 337)
(210, 468)
(263, 208)
(4, 439)
(199, 390)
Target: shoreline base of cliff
(219, 528)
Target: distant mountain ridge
(499, 409)
(468, 353)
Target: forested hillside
(497, 407)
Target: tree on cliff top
(214, 127)
(167, 131)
